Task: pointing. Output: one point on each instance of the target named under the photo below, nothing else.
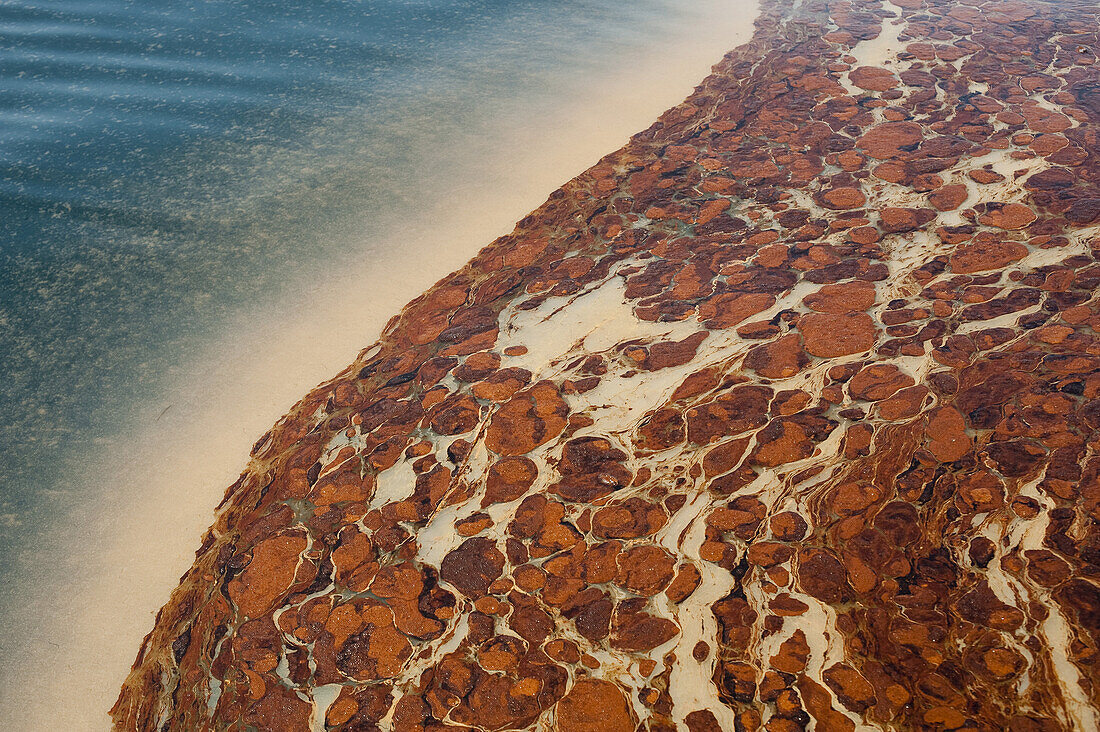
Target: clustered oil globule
(786, 411)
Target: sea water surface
(208, 207)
